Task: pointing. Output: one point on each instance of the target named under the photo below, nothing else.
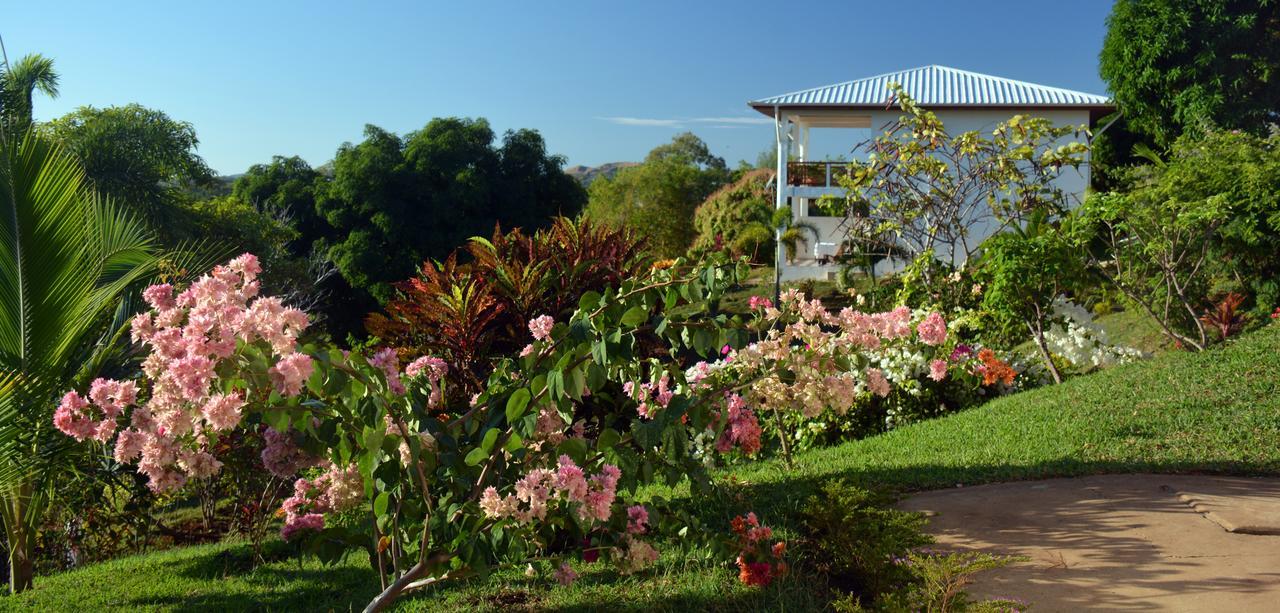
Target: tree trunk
(19, 537)
(21, 565)
(1037, 332)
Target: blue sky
(602, 81)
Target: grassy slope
(1213, 412)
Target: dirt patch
(1119, 542)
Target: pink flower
(160, 296)
(541, 327)
(877, 383)
(222, 411)
(637, 519)
(71, 418)
(302, 523)
(290, 373)
(758, 302)
(571, 480)
(938, 370)
(527, 351)
(933, 330)
(128, 445)
(435, 368)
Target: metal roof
(936, 86)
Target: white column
(781, 133)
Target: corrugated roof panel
(938, 86)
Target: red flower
(755, 573)
(589, 554)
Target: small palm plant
(70, 262)
(792, 232)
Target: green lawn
(1218, 411)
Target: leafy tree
(738, 218)
(1173, 64)
(285, 189)
(68, 262)
(18, 84)
(923, 189)
(1025, 270)
(1200, 224)
(659, 196)
(136, 155)
(394, 202)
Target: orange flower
(994, 369)
(662, 264)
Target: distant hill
(586, 174)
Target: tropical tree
(659, 196)
(395, 201)
(68, 262)
(1174, 64)
(138, 156)
(18, 84)
(792, 232)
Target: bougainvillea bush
(437, 492)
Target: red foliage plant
(1225, 317)
(468, 313)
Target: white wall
(1073, 182)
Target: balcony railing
(815, 174)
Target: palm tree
(19, 83)
(70, 263)
(792, 232)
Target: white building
(962, 100)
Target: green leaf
(608, 438)
(380, 504)
(576, 381)
(635, 316)
(490, 438)
(589, 301)
(517, 403)
(475, 456)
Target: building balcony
(815, 174)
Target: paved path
(1120, 542)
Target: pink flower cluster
(637, 519)
(388, 362)
(434, 367)
(335, 490)
(645, 393)
(759, 302)
(831, 358)
(742, 430)
(76, 417)
(933, 330)
(877, 383)
(534, 492)
(189, 335)
(938, 370)
(541, 326)
(282, 457)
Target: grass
(1214, 412)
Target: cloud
(640, 121)
(723, 122)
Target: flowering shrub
(191, 335)
(760, 559)
(451, 492)
(810, 361)
(1077, 339)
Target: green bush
(738, 218)
(857, 541)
